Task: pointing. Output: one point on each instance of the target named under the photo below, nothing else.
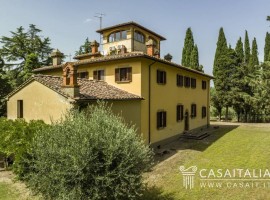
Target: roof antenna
(100, 16)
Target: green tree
(239, 50)
(84, 48)
(194, 59)
(187, 49)
(5, 88)
(267, 47)
(24, 47)
(254, 55)
(221, 52)
(247, 48)
(93, 154)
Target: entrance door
(186, 121)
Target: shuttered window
(193, 83)
(179, 80)
(187, 81)
(161, 77)
(193, 110)
(123, 74)
(203, 112)
(179, 113)
(20, 109)
(98, 75)
(83, 74)
(161, 119)
(203, 85)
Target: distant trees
(267, 48)
(84, 48)
(241, 82)
(20, 53)
(190, 53)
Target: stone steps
(195, 136)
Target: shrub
(15, 140)
(90, 155)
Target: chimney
(57, 57)
(150, 47)
(94, 46)
(168, 57)
(70, 85)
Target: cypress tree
(247, 48)
(220, 50)
(267, 47)
(218, 69)
(187, 49)
(254, 55)
(239, 50)
(194, 60)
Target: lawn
(6, 193)
(229, 147)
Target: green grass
(7, 193)
(228, 147)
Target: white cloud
(87, 20)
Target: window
(179, 80)
(193, 110)
(187, 81)
(20, 109)
(123, 74)
(116, 36)
(179, 113)
(82, 74)
(161, 119)
(98, 75)
(193, 83)
(203, 85)
(138, 36)
(203, 112)
(154, 40)
(161, 77)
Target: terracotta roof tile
(89, 89)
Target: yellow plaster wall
(166, 97)
(137, 46)
(39, 102)
(133, 87)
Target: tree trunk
(226, 115)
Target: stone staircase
(195, 135)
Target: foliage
(267, 47)
(187, 49)
(25, 50)
(239, 50)
(84, 48)
(15, 139)
(246, 48)
(254, 54)
(194, 59)
(90, 155)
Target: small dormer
(129, 37)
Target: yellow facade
(39, 102)
(162, 97)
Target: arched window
(118, 35)
(68, 77)
(138, 36)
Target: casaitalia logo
(230, 178)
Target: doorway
(186, 121)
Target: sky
(68, 22)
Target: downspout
(149, 102)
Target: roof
(89, 89)
(128, 24)
(121, 57)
